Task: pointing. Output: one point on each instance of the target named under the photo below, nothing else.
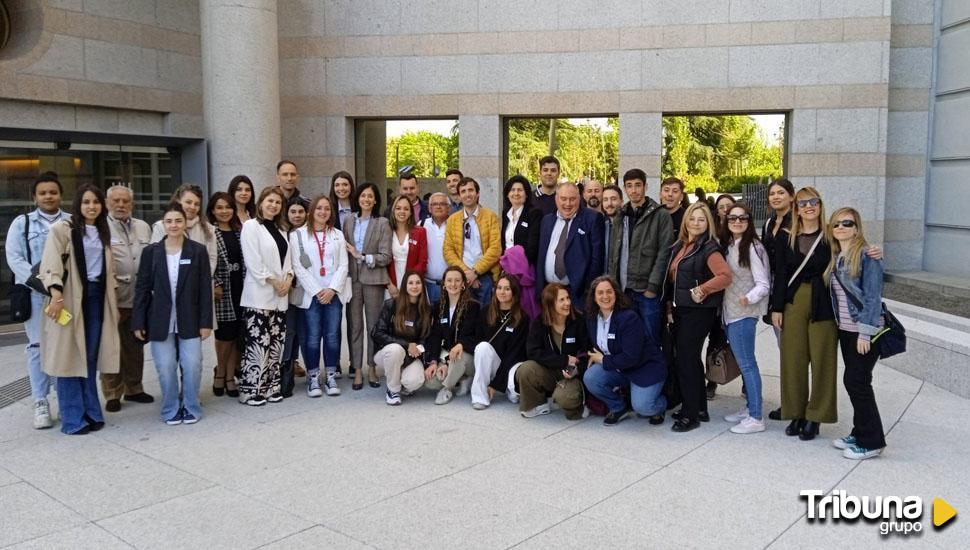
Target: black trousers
(691, 327)
(866, 422)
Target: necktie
(561, 251)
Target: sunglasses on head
(738, 218)
(809, 202)
(843, 223)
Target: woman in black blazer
(524, 220)
(172, 310)
(557, 347)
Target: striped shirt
(842, 315)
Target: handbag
(20, 301)
(304, 258)
(891, 340)
(722, 367)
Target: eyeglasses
(738, 218)
(468, 230)
(814, 201)
(843, 223)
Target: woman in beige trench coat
(74, 351)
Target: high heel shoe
(809, 431)
(795, 428)
(357, 386)
(216, 390)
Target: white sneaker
(444, 396)
(749, 425)
(392, 398)
(856, 452)
(331, 385)
(537, 411)
(585, 411)
(738, 416)
(463, 386)
(313, 386)
(479, 406)
(844, 443)
(42, 415)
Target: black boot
(775, 414)
(795, 428)
(809, 431)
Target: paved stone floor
(351, 472)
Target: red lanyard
(322, 249)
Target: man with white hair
(129, 236)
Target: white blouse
(513, 217)
(399, 252)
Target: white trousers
(487, 363)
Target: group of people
(568, 299)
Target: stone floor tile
(314, 538)
(6, 478)
(449, 514)
(95, 477)
(213, 518)
(29, 513)
(88, 535)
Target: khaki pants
(128, 379)
(536, 383)
(366, 302)
(804, 342)
(464, 366)
(391, 359)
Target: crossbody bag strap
(499, 329)
(805, 261)
(27, 238)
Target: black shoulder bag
(20, 301)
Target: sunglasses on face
(738, 218)
(809, 202)
(843, 223)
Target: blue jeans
(78, 395)
(646, 401)
(434, 291)
(321, 322)
(483, 295)
(741, 334)
(649, 311)
(40, 382)
(167, 358)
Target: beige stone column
(480, 155)
(241, 96)
(641, 143)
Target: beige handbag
(722, 367)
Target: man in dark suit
(570, 245)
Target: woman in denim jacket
(855, 284)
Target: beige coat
(62, 347)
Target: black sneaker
(685, 425)
(614, 418)
(656, 419)
(703, 416)
(775, 414)
(275, 398)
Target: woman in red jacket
(409, 245)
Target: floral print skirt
(265, 330)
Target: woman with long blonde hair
(802, 311)
(855, 284)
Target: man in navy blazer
(580, 257)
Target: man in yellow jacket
(473, 241)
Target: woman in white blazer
(269, 276)
(320, 266)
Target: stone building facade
(877, 92)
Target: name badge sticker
(409, 323)
(509, 329)
(186, 261)
(581, 232)
(444, 320)
(610, 336)
(570, 340)
(524, 224)
(117, 241)
(414, 242)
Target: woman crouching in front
(557, 344)
(404, 323)
(621, 357)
